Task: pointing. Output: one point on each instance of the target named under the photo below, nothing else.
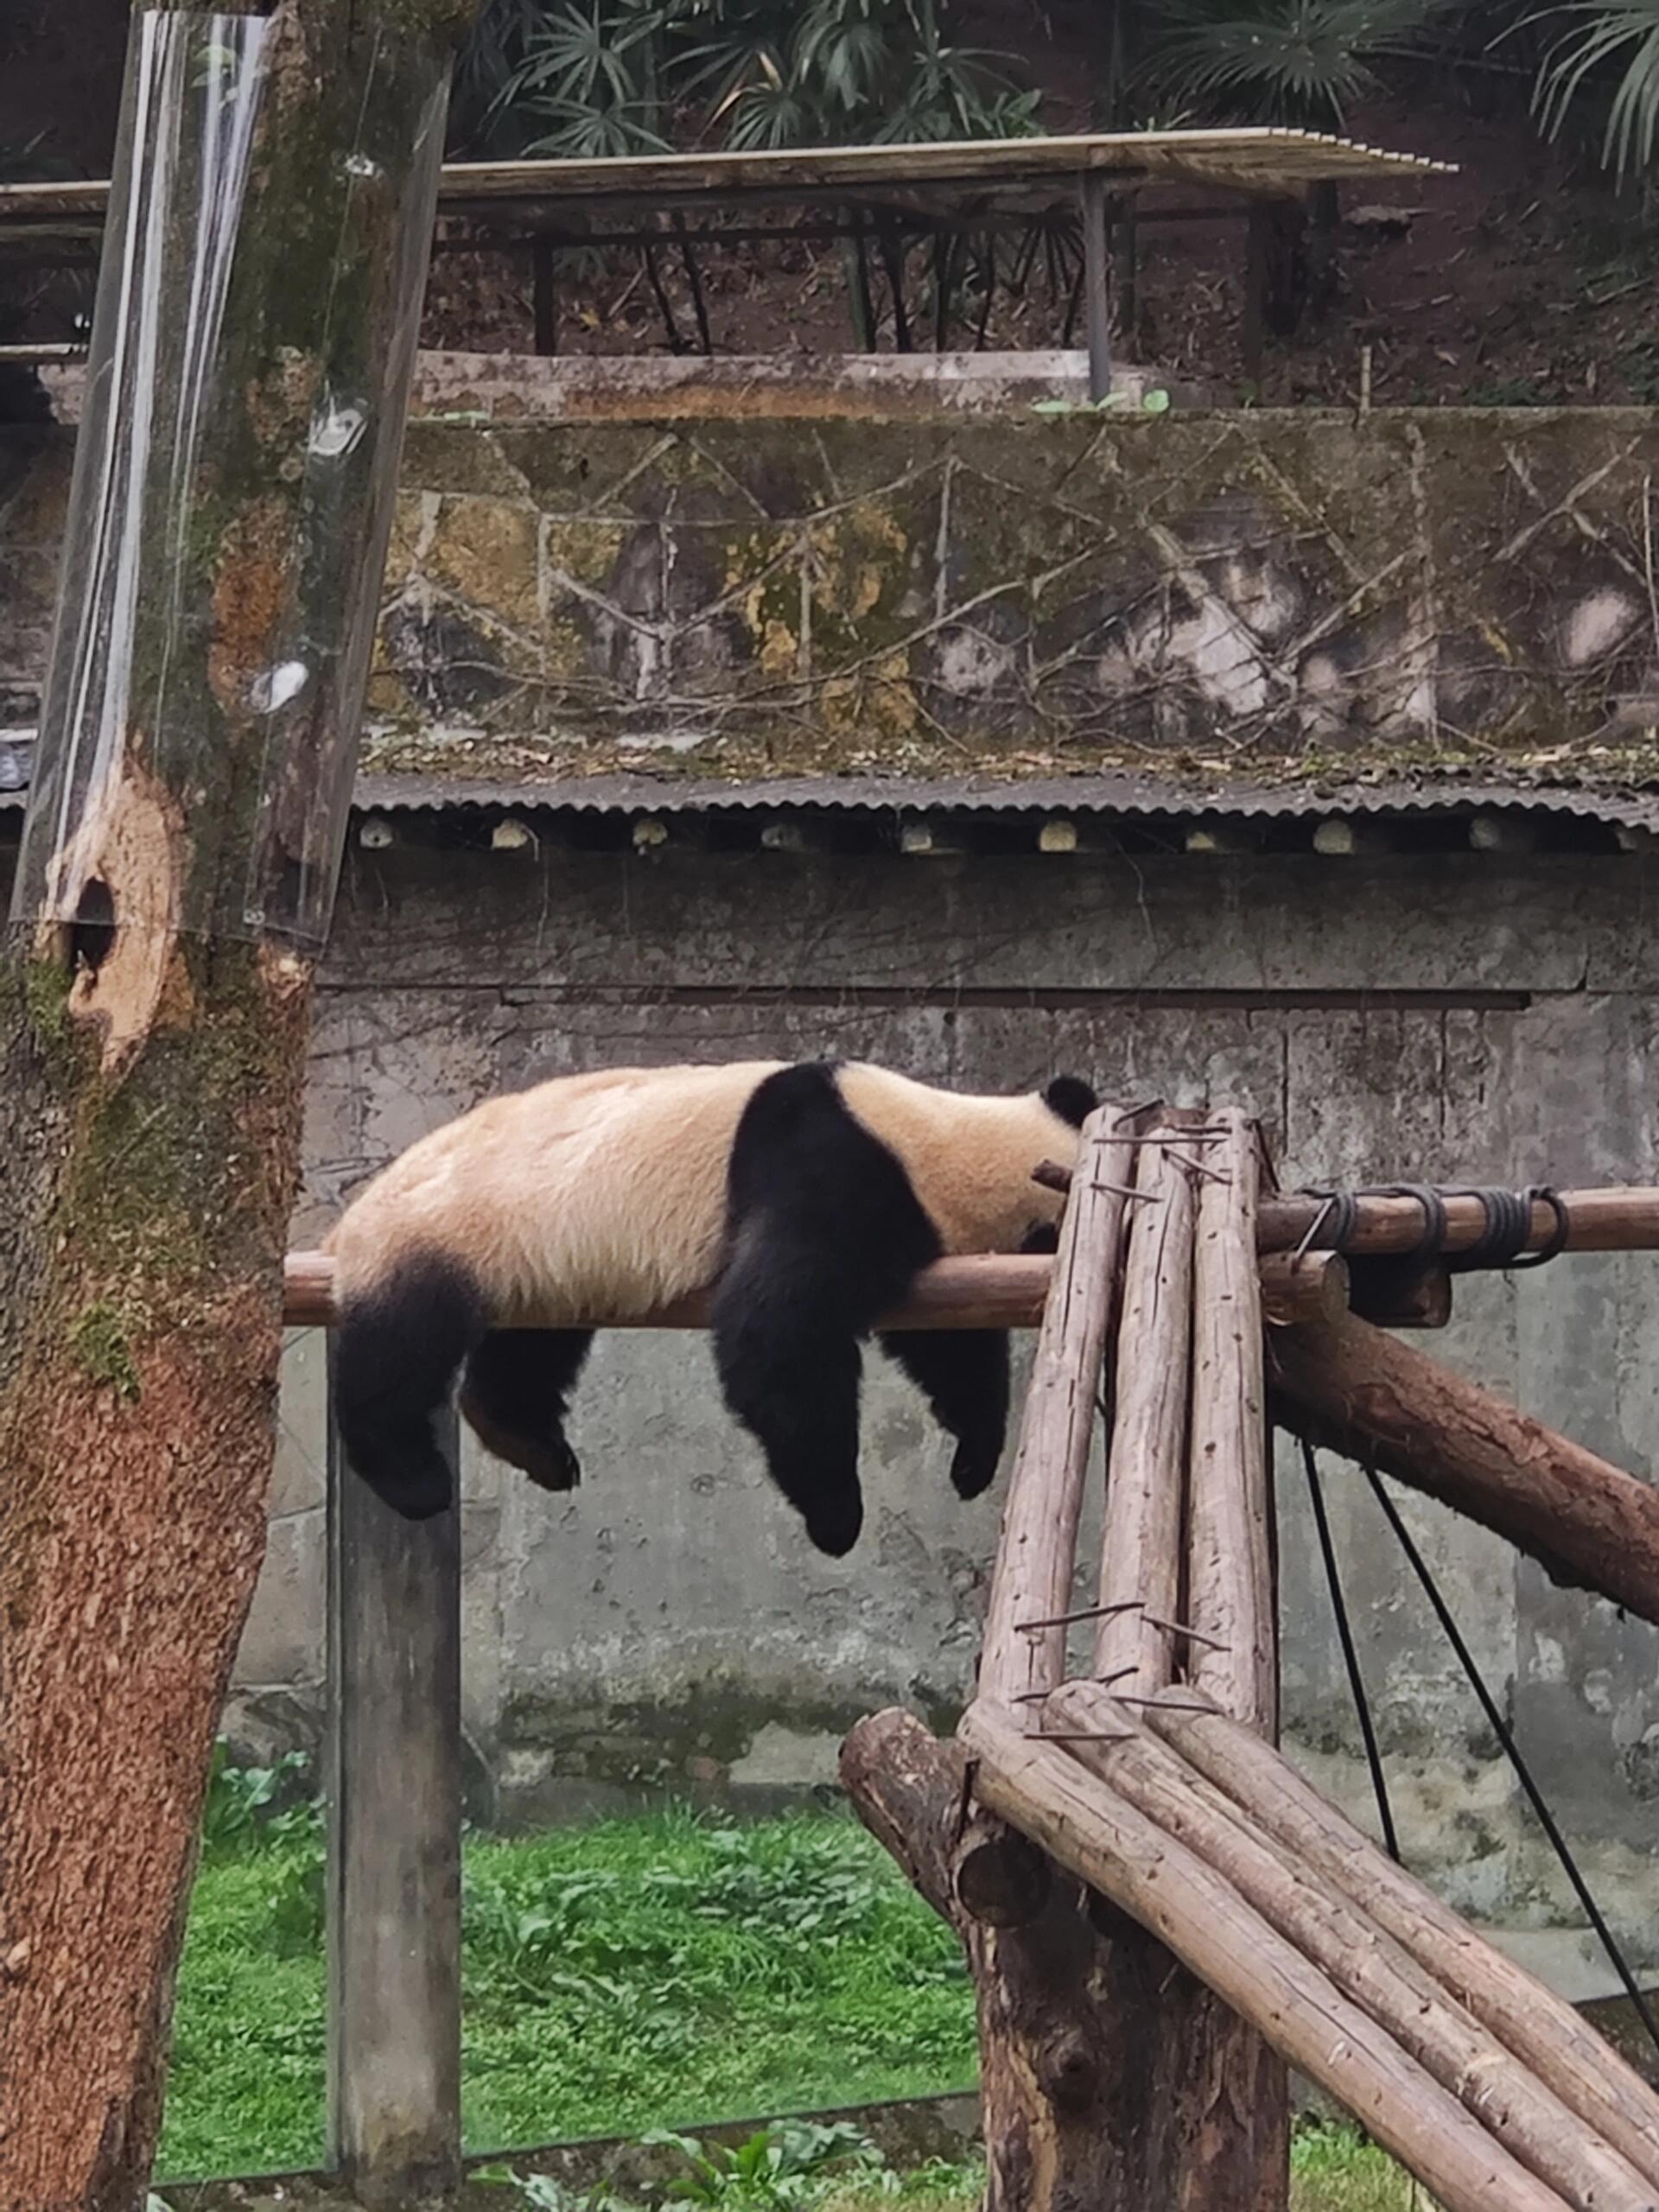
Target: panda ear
(1072, 1099)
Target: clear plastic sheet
(257, 310)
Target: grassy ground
(619, 1978)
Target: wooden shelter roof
(1004, 173)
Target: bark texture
(150, 1081)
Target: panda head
(1072, 1099)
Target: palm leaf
(1582, 57)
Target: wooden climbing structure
(1160, 1914)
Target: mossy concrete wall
(1303, 595)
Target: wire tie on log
(1199, 1167)
(1123, 1191)
(1165, 1704)
(1079, 1736)
(1185, 1628)
(1083, 1613)
(1037, 1697)
(1134, 1113)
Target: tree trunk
(251, 354)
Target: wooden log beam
(1391, 1986)
(999, 1291)
(1231, 1604)
(1088, 1827)
(1037, 1550)
(1229, 1562)
(1528, 2019)
(1366, 1394)
(1310, 1287)
(1060, 2127)
(1140, 1540)
(1618, 1218)
(1097, 2127)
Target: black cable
(1349, 1654)
(1512, 1751)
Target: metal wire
(1512, 1751)
(1350, 1653)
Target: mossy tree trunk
(227, 535)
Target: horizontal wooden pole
(999, 1291)
(1095, 1832)
(1371, 1397)
(1620, 1218)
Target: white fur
(603, 1196)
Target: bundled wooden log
(1542, 2028)
(1367, 1966)
(1094, 1831)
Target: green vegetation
(673, 1967)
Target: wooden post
(1097, 282)
(234, 478)
(544, 293)
(1237, 2083)
(1060, 2068)
(1363, 1393)
(394, 1842)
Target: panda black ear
(1072, 1098)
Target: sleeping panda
(809, 1196)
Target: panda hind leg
(790, 1373)
(515, 1396)
(396, 1351)
(963, 1374)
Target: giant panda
(809, 1195)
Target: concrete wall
(1454, 1018)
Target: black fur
(823, 1234)
(963, 1374)
(395, 1353)
(516, 1396)
(1072, 1098)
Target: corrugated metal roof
(1116, 793)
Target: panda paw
(973, 1468)
(834, 1527)
(548, 1461)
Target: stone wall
(1299, 596)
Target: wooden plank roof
(999, 171)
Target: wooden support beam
(1528, 2019)
(1089, 1827)
(1145, 1475)
(394, 1842)
(1047, 2021)
(1367, 1966)
(1232, 1606)
(1230, 1568)
(1310, 1287)
(1618, 1218)
(1038, 1547)
(1371, 1397)
(1097, 282)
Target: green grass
(619, 1978)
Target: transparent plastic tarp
(257, 308)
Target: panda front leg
(963, 1374)
(396, 1350)
(789, 1365)
(516, 1396)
